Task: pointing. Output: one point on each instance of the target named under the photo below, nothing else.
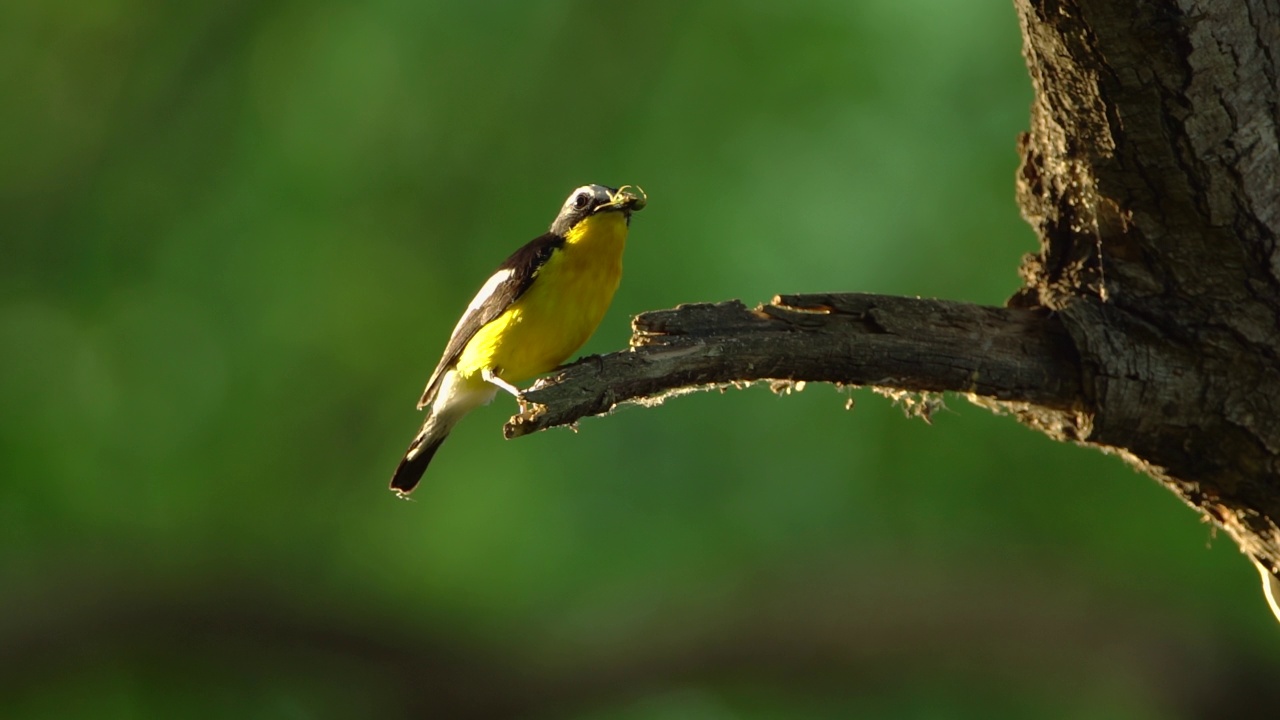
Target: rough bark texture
(909, 344)
(1148, 324)
(1150, 173)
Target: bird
(540, 305)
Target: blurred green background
(236, 236)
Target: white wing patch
(490, 287)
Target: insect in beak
(628, 197)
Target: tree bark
(1149, 323)
(1013, 355)
(1150, 174)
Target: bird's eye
(580, 201)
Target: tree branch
(907, 344)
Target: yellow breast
(560, 310)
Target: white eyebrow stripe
(486, 291)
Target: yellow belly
(559, 311)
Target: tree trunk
(1150, 174)
(1149, 324)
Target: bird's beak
(628, 199)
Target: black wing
(512, 278)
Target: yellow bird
(539, 307)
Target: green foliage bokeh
(237, 235)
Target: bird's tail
(417, 457)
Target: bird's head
(590, 200)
